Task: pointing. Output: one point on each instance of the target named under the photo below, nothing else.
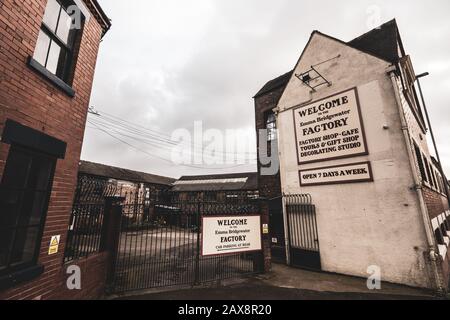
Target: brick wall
(31, 100)
(269, 186)
(436, 203)
(93, 279)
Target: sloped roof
(381, 42)
(246, 181)
(276, 83)
(101, 170)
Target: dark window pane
(41, 170)
(51, 14)
(25, 242)
(62, 64)
(42, 46)
(32, 209)
(5, 243)
(16, 171)
(53, 57)
(9, 204)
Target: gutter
(102, 15)
(433, 256)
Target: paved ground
(285, 283)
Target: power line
(171, 147)
(120, 126)
(159, 157)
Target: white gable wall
(360, 224)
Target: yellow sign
(54, 245)
(265, 228)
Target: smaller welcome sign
(350, 173)
(231, 234)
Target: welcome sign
(231, 234)
(331, 128)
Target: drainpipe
(287, 242)
(418, 186)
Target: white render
(360, 224)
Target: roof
(381, 42)
(247, 181)
(101, 170)
(279, 82)
(99, 14)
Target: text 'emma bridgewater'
(232, 235)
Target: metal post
(432, 136)
(197, 257)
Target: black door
(276, 227)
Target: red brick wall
(93, 279)
(29, 99)
(269, 186)
(436, 203)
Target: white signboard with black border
(330, 128)
(340, 174)
(230, 234)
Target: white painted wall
(360, 224)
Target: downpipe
(432, 254)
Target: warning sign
(54, 245)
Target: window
(210, 196)
(55, 48)
(439, 236)
(24, 195)
(271, 126)
(192, 196)
(438, 181)
(420, 163)
(433, 178)
(410, 92)
(427, 168)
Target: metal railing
(160, 241)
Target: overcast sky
(166, 63)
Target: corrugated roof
(246, 181)
(381, 42)
(101, 170)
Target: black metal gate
(303, 236)
(160, 236)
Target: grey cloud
(165, 64)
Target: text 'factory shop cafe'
(358, 189)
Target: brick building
(48, 53)
(352, 146)
(269, 186)
(216, 187)
(127, 180)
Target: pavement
(286, 283)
